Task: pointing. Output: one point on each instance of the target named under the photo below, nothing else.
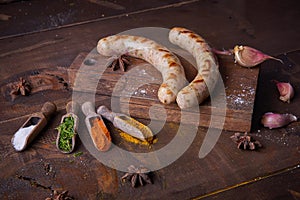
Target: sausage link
(159, 56)
(208, 69)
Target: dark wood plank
(187, 177)
(270, 187)
(51, 15)
(267, 99)
(69, 42)
(43, 83)
(239, 86)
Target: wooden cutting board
(136, 90)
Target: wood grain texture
(257, 189)
(69, 13)
(224, 24)
(42, 82)
(139, 85)
(85, 177)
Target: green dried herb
(77, 154)
(67, 131)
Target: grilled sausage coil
(159, 56)
(208, 69)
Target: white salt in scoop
(32, 127)
(21, 136)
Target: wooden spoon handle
(88, 108)
(72, 107)
(106, 113)
(48, 109)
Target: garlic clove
(286, 91)
(275, 120)
(250, 57)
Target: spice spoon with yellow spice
(127, 124)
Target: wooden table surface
(42, 36)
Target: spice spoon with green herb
(67, 130)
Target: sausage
(159, 56)
(208, 69)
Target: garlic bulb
(275, 120)
(250, 57)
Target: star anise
(137, 175)
(245, 141)
(60, 196)
(116, 62)
(22, 87)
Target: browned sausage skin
(159, 56)
(208, 69)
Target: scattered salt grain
(143, 92)
(239, 100)
(20, 137)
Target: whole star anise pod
(245, 141)
(116, 62)
(22, 87)
(137, 175)
(60, 196)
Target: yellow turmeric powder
(134, 140)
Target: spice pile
(134, 140)
(21, 136)
(100, 134)
(67, 132)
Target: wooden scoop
(96, 127)
(32, 127)
(127, 124)
(72, 109)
